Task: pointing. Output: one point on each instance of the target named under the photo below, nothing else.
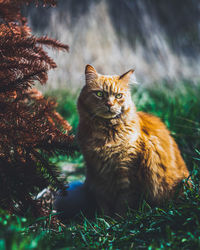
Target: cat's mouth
(110, 115)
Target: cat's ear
(90, 74)
(125, 78)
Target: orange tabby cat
(128, 154)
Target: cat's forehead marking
(110, 84)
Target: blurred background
(160, 39)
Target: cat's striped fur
(128, 154)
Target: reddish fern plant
(31, 130)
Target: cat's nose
(109, 104)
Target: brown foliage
(22, 58)
(31, 130)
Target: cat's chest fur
(109, 152)
(113, 146)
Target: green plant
(172, 226)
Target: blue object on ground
(77, 199)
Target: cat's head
(106, 96)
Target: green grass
(174, 226)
